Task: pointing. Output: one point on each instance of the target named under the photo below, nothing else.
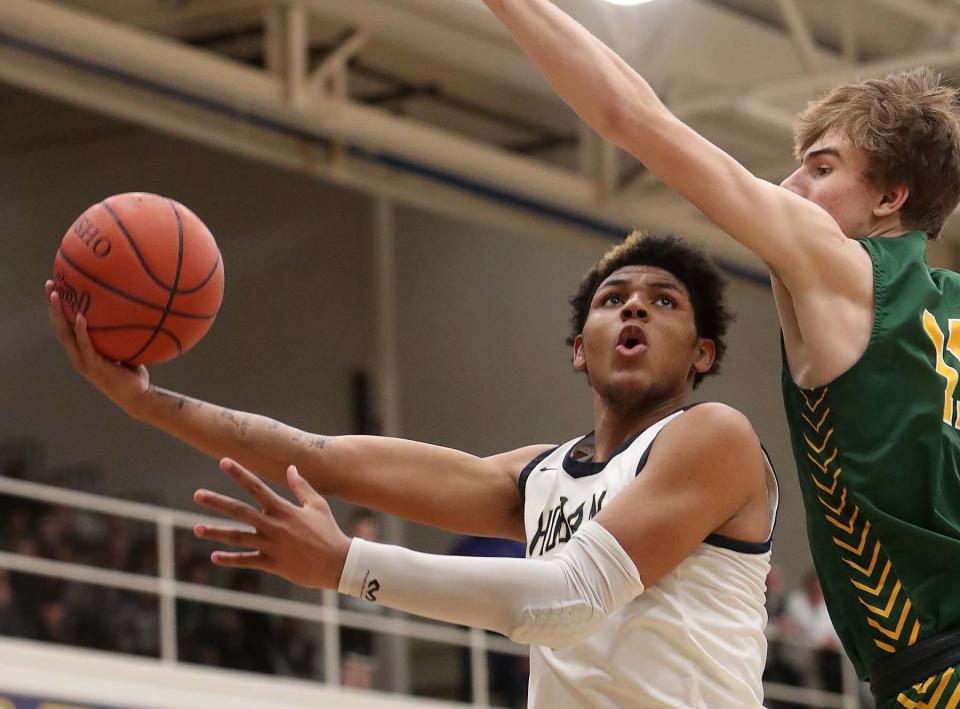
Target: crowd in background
(105, 618)
(803, 647)
(55, 610)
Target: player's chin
(626, 386)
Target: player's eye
(666, 301)
(611, 299)
(823, 170)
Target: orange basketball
(145, 272)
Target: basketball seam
(138, 326)
(188, 291)
(128, 296)
(173, 288)
(133, 245)
(143, 261)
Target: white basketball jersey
(693, 639)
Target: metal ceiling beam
(163, 84)
(809, 87)
(800, 32)
(155, 59)
(296, 49)
(172, 17)
(454, 46)
(848, 30)
(329, 77)
(153, 111)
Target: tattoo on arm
(308, 440)
(241, 422)
(177, 399)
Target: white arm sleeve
(554, 602)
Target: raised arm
(800, 242)
(420, 482)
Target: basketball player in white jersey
(648, 540)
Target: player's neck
(889, 227)
(613, 424)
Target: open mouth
(632, 340)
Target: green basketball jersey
(878, 454)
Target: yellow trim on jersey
(938, 694)
(880, 591)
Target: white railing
(169, 589)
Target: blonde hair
(908, 127)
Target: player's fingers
(240, 559)
(229, 507)
(258, 490)
(62, 328)
(303, 491)
(227, 535)
(84, 343)
(55, 313)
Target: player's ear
(579, 358)
(892, 200)
(704, 355)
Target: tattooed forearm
(241, 421)
(309, 440)
(177, 399)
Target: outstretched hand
(300, 542)
(121, 384)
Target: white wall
(482, 315)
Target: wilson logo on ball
(79, 303)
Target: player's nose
(792, 182)
(633, 308)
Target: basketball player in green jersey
(871, 335)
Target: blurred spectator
(779, 667)
(253, 633)
(89, 625)
(806, 619)
(508, 674)
(17, 522)
(53, 626)
(134, 624)
(197, 640)
(776, 596)
(294, 651)
(358, 662)
(13, 617)
(73, 613)
(115, 549)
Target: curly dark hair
(687, 263)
